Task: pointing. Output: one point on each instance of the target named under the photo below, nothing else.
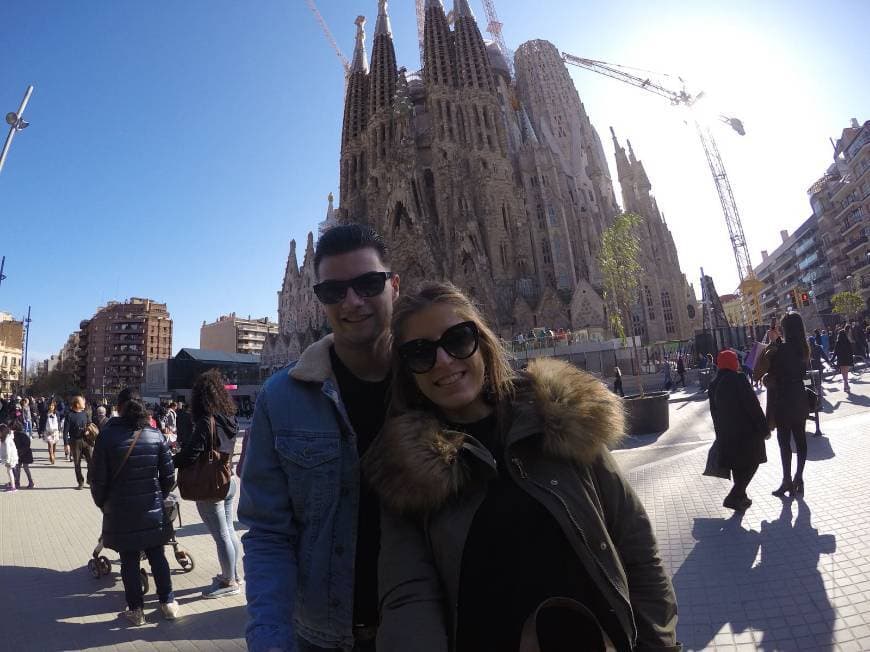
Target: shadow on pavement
(49, 606)
(819, 448)
(782, 598)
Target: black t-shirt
(366, 405)
(515, 557)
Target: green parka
(432, 481)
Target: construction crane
(494, 26)
(750, 287)
(329, 37)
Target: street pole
(16, 123)
(26, 342)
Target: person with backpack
(132, 476)
(214, 433)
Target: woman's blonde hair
(77, 401)
(499, 375)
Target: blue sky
(177, 147)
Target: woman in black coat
(740, 426)
(788, 368)
(25, 453)
(132, 475)
(845, 356)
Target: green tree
(619, 260)
(847, 303)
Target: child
(8, 455)
(25, 453)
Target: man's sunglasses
(370, 284)
(458, 342)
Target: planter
(648, 414)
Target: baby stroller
(100, 565)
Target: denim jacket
(299, 498)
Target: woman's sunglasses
(370, 284)
(458, 342)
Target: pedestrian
(710, 365)
(740, 427)
(214, 428)
(667, 378)
(311, 550)
(8, 455)
(101, 419)
(25, 453)
(132, 476)
(495, 487)
(789, 361)
(844, 357)
(74, 428)
(681, 371)
(26, 416)
(617, 381)
(52, 431)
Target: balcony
(856, 220)
(805, 246)
(854, 244)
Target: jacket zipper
(525, 476)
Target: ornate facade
(498, 184)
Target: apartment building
(233, 334)
(117, 343)
(11, 352)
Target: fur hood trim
(416, 464)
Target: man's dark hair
(345, 238)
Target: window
(649, 303)
(540, 213)
(668, 312)
(545, 250)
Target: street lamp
(16, 123)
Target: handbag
(713, 468)
(559, 612)
(208, 478)
(812, 400)
(89, 434)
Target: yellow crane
(750, 287)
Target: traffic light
(805, 299)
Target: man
(312, 545)
(74, 427)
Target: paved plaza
(786, 575)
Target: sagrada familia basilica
(492, 178)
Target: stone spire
(331, 218)
(360, 60)
(637, 167)
(439, 65)
(471, 55)
(355, 105)
(382, 80)
(623, 167)
(383, 24)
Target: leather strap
(127, 454)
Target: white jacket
(8, 452)
(52, 425)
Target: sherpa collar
(314, 365)
(416, 464)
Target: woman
(25, 452)
(789, 360)
(215, 427)
(844, 354)
(740, 427)
(132, 475)
(52, 431)
(503, 509)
